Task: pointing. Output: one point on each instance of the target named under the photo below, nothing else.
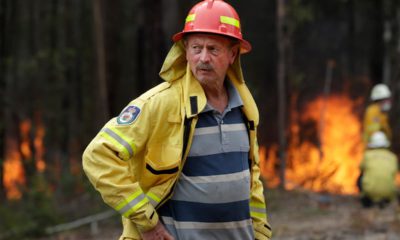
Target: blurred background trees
(66, 66)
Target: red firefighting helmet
(214, 16)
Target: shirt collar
(234, 98)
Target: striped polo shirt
(211, 197)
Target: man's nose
(205, 56)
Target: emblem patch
(128, 115)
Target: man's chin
(203, 77)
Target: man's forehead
(201, 37)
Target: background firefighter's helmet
(214, 16)
(378, 140)
(380, 91)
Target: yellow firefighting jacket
(136, 158)
(375, 120)
(379, 168)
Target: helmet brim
(245, 46)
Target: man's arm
(106, 164)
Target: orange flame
(333, 165)
(25, 128)
(14, 174)
(269, 171)
(39, 147)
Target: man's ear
(234, 53)
(185, 44)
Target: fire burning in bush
(27, 147)
(324, 147)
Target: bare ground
(298, 215)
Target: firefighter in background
(181, 161)
(376, 116)
(378, 172)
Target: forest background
(67, 66)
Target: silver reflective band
(119, 140)
(132, 204)
(257, 210)
(153, 202)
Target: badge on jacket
(128, 115)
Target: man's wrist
(148, 222)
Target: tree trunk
(14, 179)
(281, 78)
(377, 54)
(151, 45)
(53, 41)
(102, 107)
(72, 32)
(3, 56)
(351, 10)
(28, 50)
(112, 36)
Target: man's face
(209, 56)
(386, 105)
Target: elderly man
(181, 161)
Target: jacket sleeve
(106, 164)
(262, 228)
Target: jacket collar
(195, 99)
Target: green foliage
(30, 215)
(298, 13)
(296, 80)
(39, 208)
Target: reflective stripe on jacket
(135, 165)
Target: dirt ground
(299, 215)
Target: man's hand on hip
(157, 233)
